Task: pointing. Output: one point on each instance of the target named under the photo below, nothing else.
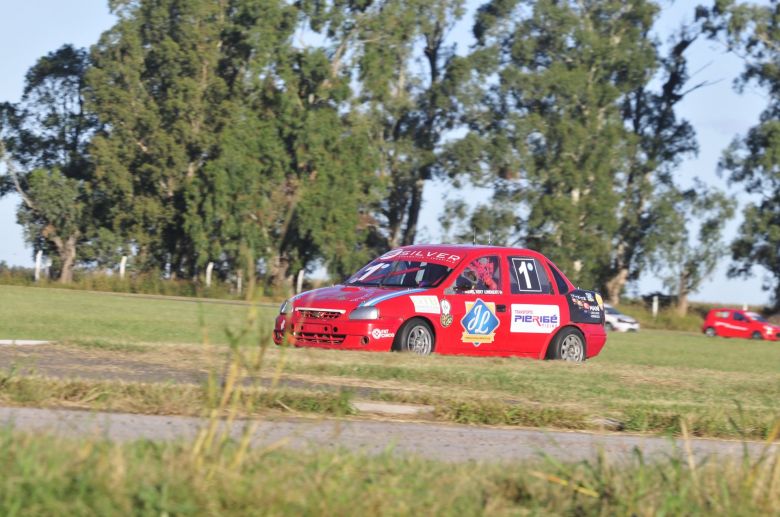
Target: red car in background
(738, 323)
(451, 299)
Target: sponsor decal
(422, 256)
(483, 291)
(381, 334)
(584, 306)
(535, 319)
(425, 304)
(446, 317)
(479, 323)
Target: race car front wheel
(415, 336)
(568, 345)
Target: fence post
(38, 259)
(239, 281)
(655, 306)
(122, 266)
(209, 269)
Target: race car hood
(348, 297)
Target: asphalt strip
(22, 342)
(447, 442)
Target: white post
(38, 258)
(209, 269)
(299, 282)
(655, 306)
(744, 306)
(238, 281)
(122, 266)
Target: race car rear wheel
(568, 345)
(710, 332)
(415, 336)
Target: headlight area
(286, 308)
(364, 313)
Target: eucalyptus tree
(548, 133)
(225, 143)
(752, 30)
(685, 255)
(159, 85)
(657, 141)
(406, 75)
(44, 145)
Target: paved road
(435, 441)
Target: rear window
(563, 288)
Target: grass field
(43, 475)
(59, 314)
(647, 382)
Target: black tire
(710, 332)
(756, 335)
(568, 345)
(415, 336)
(609, 327)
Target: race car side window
(527, 276)
(560, 283)
(738, 317)
(481, 276)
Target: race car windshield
(400, 273)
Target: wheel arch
(395, 346)
(548, 349)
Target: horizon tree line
(270, 137)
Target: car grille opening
(316, 314)
(315, 338)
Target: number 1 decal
(373, 269)
(526, 275)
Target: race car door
(535, 310)
(739, 326)
(475, 308)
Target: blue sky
(33, 28)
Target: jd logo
(479, 323)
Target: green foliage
(46, 135)
(753, 30)
(684, 262)
(226, 144)
(553, 137)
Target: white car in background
(616, 320)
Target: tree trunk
(67, 252)
(615, 285)
(413, 216)
(682, 295)
(279, 276)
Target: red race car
(451, 299)
(736, 323)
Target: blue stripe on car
(384, 297)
